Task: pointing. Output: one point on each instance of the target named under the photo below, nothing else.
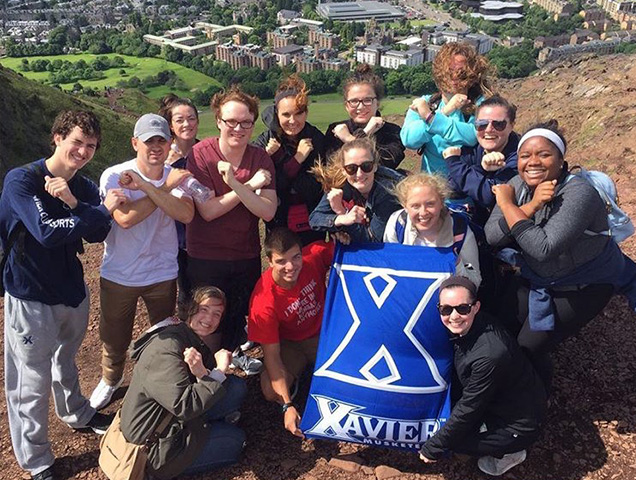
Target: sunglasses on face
(352, 168)
(462, 309)
(498, 125)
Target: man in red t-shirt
(286, 314)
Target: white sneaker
(498, 466)
(247, 346)
(103, 393)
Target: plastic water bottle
(199, 192)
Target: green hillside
(27, 111)
(137, 67)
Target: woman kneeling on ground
(176, 375)
(556, 225)
(426, 221)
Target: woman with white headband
(549, 217)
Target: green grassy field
(140, 67)
(323, 110)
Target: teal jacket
(445, 131)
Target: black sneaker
(100, 423)
(44, 475)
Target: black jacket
(500, 388)
(303, 187)
(387, 139)
(379, 206)
(467, 177)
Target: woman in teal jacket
(445, 119)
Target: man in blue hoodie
(46, 211)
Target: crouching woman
(175, 374)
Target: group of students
(528, 239)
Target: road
(434, 14)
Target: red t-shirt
(294, 314)
(233, 236)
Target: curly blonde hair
(332, 175)
(438, 183)
(476, 77)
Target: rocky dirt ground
(591, 426)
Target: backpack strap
(602, 194)
(400, 226)
(16, 237)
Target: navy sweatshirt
(49, 270)
(467, 177)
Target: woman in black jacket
(362, 94)
(295, 146)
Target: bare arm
(216, 207)
(263, 205)
(180, 209)
(132, 213)
(277, 375)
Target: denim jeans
(225, 443)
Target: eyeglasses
(462, 309)
(352, 168)
(499, 125)
(245, 124)
(355, 102)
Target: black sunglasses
(498, 125)
(462, 309)
(366, 167)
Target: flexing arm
(132, 213)
(50, 231)
(169, 382)
(414, 131)
(263, 205)
(390, 146)
(454, 130)
(470, 178)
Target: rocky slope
(591, 425)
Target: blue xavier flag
(384, 362)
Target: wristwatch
(287, 406)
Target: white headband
(545, 133)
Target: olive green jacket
(162, 384)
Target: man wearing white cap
(140, 252)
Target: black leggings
(573, 310)
(237, 279)
(495, 442)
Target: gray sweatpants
(40, 344)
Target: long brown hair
(332, 175)
(476, 76)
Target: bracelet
(287, 406)
(429, 117)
